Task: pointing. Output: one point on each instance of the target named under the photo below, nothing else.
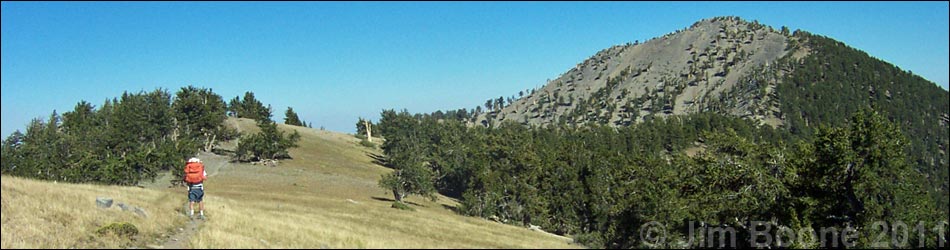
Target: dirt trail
(213, 163)
(182, 236)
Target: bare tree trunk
(210, 142)
(397, 195)
(369, 133)
(175, 131)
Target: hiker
(194, 176)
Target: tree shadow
(222, 151)
(391, 200)
(454, 209)
(448, 192)
(379, 160)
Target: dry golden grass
(326, 197)
(40, 214)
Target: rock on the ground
(123, 206)
(140, 211)
(103, 202)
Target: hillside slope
(326, 196)
(678, 73)
(42, 214)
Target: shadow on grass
(391, 200)
(454, 209)
(222, 151)
(379, 160)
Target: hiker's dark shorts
(196, 195)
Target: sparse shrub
(119, 229)
(228, 133)
(402, 206)
(367, 144)
(269, 144)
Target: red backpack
(194, 173)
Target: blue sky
(336, 61)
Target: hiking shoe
(201, 217)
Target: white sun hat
(193, 159)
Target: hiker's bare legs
(201, 207)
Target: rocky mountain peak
(696, 69)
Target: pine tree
(249, 107)
(290, 118)
(268, 144)
(405, 153)
(200, 113)
(10, 155)
(860, 177)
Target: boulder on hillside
(103, 202)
